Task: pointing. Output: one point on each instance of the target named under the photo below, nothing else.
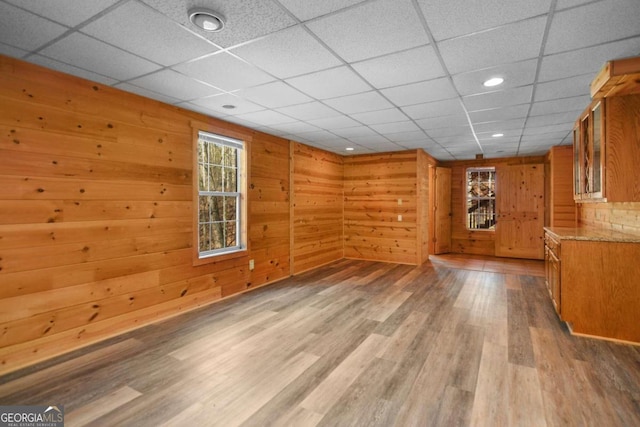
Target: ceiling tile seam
(74, 29)
(486, 30)
(543, 44)
(192, 32)
(326, 15)
(436, 48)
(375, 89)
(635, 36)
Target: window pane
(230, 183)
(202, 177)
(217, 235)
(215, 178)
(202, 151)
(230, 208)
(215, 154)
(230, 156)
(217, 209)
(231, 233)
(204, 204)
(204, 237)
(481, 199)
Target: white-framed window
(220, 199)
(481, 198)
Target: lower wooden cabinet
(593, 279)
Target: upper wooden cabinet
(606, 140)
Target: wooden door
(442, 211)
(520, 211)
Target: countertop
(592, 234)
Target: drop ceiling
(375, 75)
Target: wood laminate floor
(460, 340)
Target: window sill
(210, 259)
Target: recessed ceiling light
(349, 148)
(229, 106)
(497, 135)
(206, 19)
(495, 81)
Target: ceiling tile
(563, 4)
(310, 111)
(504, 113)
(502, 45)
(274, 95)
(586, 61)
(216, 103)
(246, 19)
(380, 116)
(321, 136)
(70, 69)
(93, 55)
(288, 53)
(148, 93)
(453, 18)
(383, 146)
(408, 136)
(369, 140)
(14, 52)
(66, 12)
(295, 127)
(443, 121)
(459, 132)
(395, 127)
(499, 126)
(487, 100)
(308, 9)
(147, 33)
(445, 107)
(372, 29)
(359, 103)
(552, 119)
(174, 85)
(335, 122)
(576, 103)
(563, 127)
(230, 73)
(516, 74)
(582, 26)
(331, 83)
(356, 131)
(265, 118)
(547, 136)
(418, 93)
(564, 88)
(396, 69)
(24, 30)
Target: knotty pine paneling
(462, 239)
(96, 211)
(373, 184)
(317, 207)
(269, 210)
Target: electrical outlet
(251, 264)
(399, 218)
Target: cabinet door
(577, 166)
(597, 150)
(554, 280)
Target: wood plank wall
(96, 211)
(621, 216)
(269, 209)
(372, 186)
(318, 205)
(560, 207)
(462, 239)
(426, 163)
